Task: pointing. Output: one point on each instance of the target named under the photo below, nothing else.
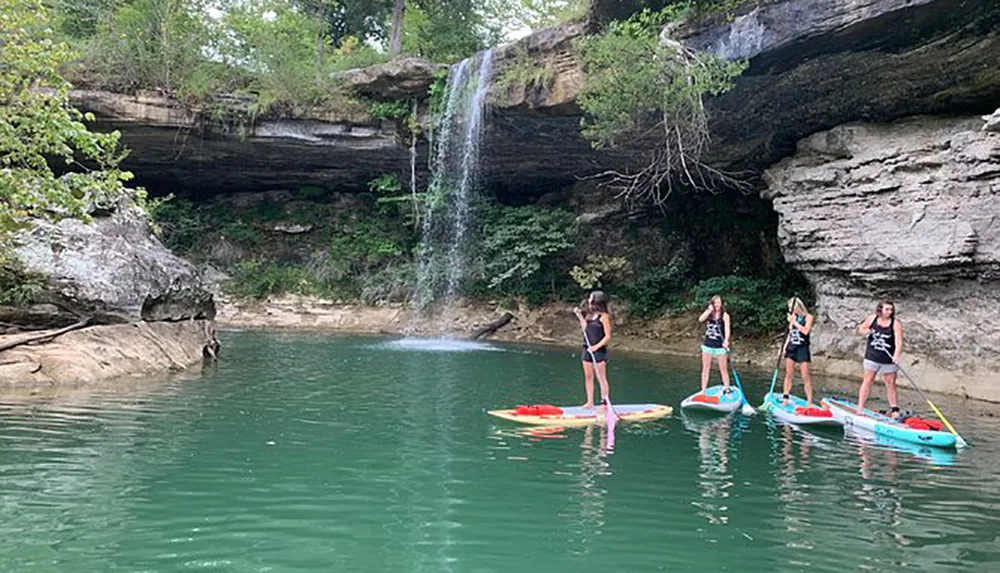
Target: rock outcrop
(813, 65)
(107, 352)
(906, 210)
(114, 270)
(223, 148)
(144, 309)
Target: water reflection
(715, 477)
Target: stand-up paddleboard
(879, 424)
(715, 400)
(796, 412)
(577, 416)
(936, 456)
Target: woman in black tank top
(882, 352)
(800, 324)
(597, 326)
(716, 342)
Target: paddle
(767, 405)
(747, 409)
(959, 441)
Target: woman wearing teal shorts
(716, 342)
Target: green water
(315, 453)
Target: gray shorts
(879, 368)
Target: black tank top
(797, 339)
(595, 331)
(714, 332)
(881, 342)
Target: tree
(396, 36)
(38, 125)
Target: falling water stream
(444, 249)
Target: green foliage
(260, 278)
(525, 72)
(650, 292)
(18, 287)
(180, 223)
(38, 125)
(598, 267)
(390, 109)
(632, 79)
(445, 30)
(438, 93)
(755, 305)
(518, 241)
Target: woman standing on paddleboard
(716, 342)
(882, 352)
(800, 324)
(597, 326)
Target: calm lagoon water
(302, 452)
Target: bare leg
(866, 388)
(808, 383)
(588, 382)
(602, 369)
(706, 367)
(786, 388)
(890, 392)
(724, 368)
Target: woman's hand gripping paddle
(767, 405)
(959, 441)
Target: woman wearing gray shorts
(882, 352)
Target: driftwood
(44, 337)
(492, 327)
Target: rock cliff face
(909, 211)
(114, 270)
(176, 147)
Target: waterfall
(443, 253)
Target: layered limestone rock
(223, 147)
(907, 211)
(813, 65)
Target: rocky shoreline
(553, 325)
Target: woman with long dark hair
(882, 352)
(716, 341)
(596, 323)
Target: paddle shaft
(926, 399)
(777, 364)
(747, 409)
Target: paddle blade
(960, 442)
(748, 410)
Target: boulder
(396, 79)
(114, 269)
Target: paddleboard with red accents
(546, 414)
(797, 411)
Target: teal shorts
(713, 351)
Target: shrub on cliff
(39, 127)
(644, 91)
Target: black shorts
(601, 355)
(798, 354)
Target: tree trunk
(492, 327)
(396, 35)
